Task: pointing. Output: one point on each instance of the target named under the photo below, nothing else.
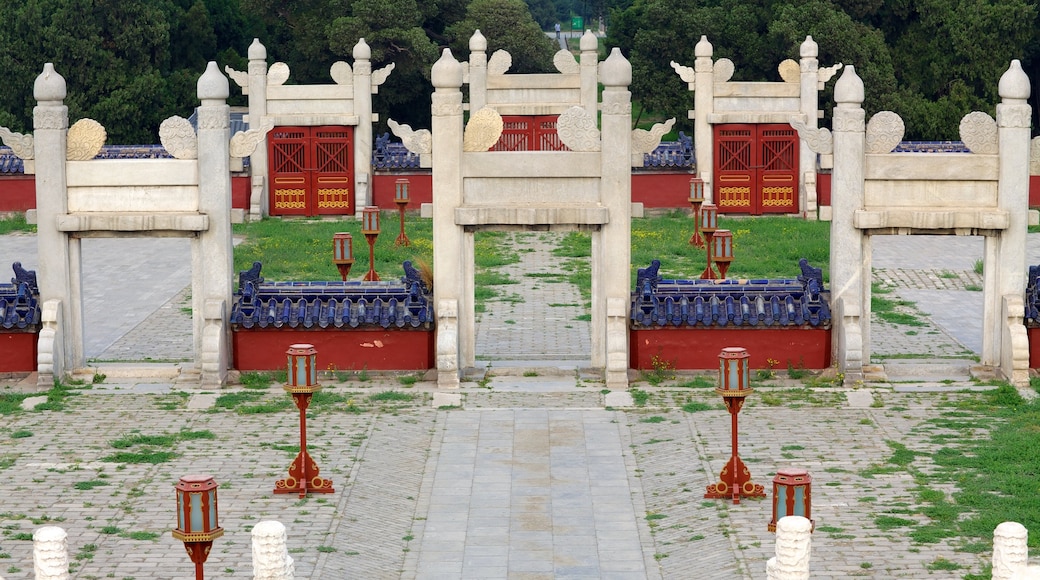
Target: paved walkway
(532, 477)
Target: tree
(507, 25)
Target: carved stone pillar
(477, 72)
(258, 204)
(363, 132)
(793, 547)
(809, 67)
(850, 256)
(703, 106)
(271, 559)
(589, 45)
(1010, 552)
(51, 553)
(449, 268)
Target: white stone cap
(257, 51)
(1011, 530)
(362, 51)
(49, 86)
(1014, 84)
(446, 72)
(477, 42)
(809, 48)
(588, 41)
(213, 85)
(50, 534)
(703, 47)
(796, 524)
(849, 88)
(268, 528)
(615, 71)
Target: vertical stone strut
(363, 90)
(257, 111)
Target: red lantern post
(370, 227)
(734, 386)
(302, 384)
(696, 199)
(197, 523)
(401, 199)
(723, 251)
(709, 223)
(343, 253)
(792, 496)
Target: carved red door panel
(529, 133)
(756, 169)
(312, 170)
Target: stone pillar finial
(809, 48)
(49, 85)
(793, 547)
(361, 50)
(271, 559)
(446, 73)
(257, 51)
(1014, 84)
(477, 42)
(615, 71)
(213, 85)
(1010, 551)
(51, 553)
(849, 88)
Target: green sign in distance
(577, 23)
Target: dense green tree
(507, 25)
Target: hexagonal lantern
(792, 495)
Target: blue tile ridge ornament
(800, 302)
(404, 303)
(20, 301)
(1033, 297)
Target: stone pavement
(532, 476)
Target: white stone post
(363, 132)
(212, 252)
(703, 107)
(51, 553)
(271, 559)
(850, 256)
(809, 102)
(58, 253)
(1013, 125)
(258, 205)
(477, 71)
(1010, 552)
(611, 266)
(793, 548)
(589, 64)
(449, 269)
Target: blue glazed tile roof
(658, 302)
(403, 303)
(20, 301)
(1032, 317)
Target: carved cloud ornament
(277, 74)
(241, 78)
(21, 145)
(341, 73)
(499, 63)
(723, 70)
(564, 62)
(789, 71)
(178, 138)
(482, 131)
(644, 141)
(826, 73)
(979, 133)
(577, 129)
(418, 142)
(884, 131)
(819, 140)
(86, 137)
(244, 143)
(379, 77)
(686, 73)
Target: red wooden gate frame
(529, 133)
(756, 168)
(312, 170)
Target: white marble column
(257, 89)
(477, 71)
(809, 102)
(589, 64)
(703, 106)
(363, 131)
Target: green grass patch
(85, 485)
(21, 434)
(696, 406)
(653, 419)
(639, 397)
(391, 396)
(145, 457)
(16, 223)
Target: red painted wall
(398, 350)
(660, 189)
(699, 348)
(420, 189)
(240, 192)
(18, 352)
(823, 189)
(1034, 347)
(17, 193)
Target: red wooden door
(756, 169)
(529, 133)
(312, 170)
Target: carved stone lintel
(178, 138)
(577, 129)
(723, 70)
(447, 104)
(241, 78)
(482, 131)
(214, 117)
(819, 140)
(849, 120)
(564, 62)
(499, 63)
(1014, 116)
(244, 143)
(86, 137)
(277, 74)
(884, 131)
(21, 145)
(979, 133)
(789, 71)
(687, 74)
(51, 553)
(341, 73)
(379, 77)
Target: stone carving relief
(482, 131)
(849, 120)
(244, 143)
(979, 133)
(1010, 551)
(644, 141)
(85, 139)
(1034, 156)
(50, 117)
(21, 145)
(420, 141)
(379, 77)
(789, 71)
(341, 73)
(565, 62)
(1014, 115)
(793, 548)
(577, 129)
(723, 70)
(686, 73)
(241, 78)
(213, 117)
(178, 138)
(277, 74)
(499, 63)
(446, 105)
(51, 553)
(271, 559)
(826, 73)
(884, 131)
(819, 140)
